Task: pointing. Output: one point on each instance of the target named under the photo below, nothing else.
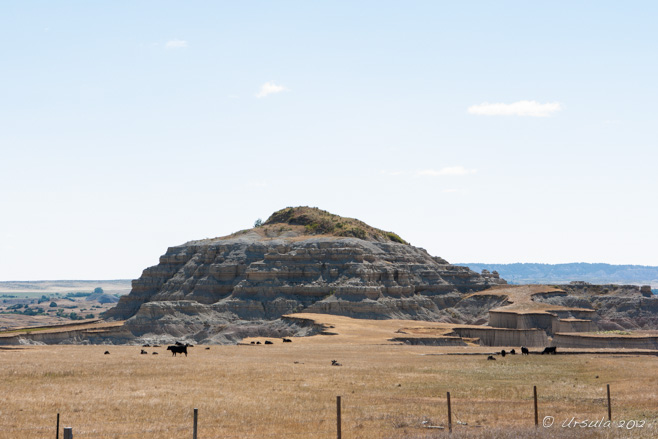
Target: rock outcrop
(299, 259)
(614, 307)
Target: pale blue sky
(128, 127)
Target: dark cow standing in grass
(177, 349)
(524, 351)
(551, 350)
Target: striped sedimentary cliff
(281, 268)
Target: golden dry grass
(289, 390)
(520, 298)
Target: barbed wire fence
(210, 425)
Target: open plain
(289, 390)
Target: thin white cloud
(270, 88)
(520, 108)
(176, 44)
(451, 171)
(450, 191)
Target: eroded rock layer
(206, 287)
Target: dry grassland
(289, 391)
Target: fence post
(57, 430)
(196, 419)
(68, 433)
(609, 406)
(338, 426)
(449, 414)
(536, 412)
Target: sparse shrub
(53, 304)
(395, 238)
(311, 228)
(258, 223)
(356, 232)
(322, 226)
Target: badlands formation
(306, 261)
(300, 259)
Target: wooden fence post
(536, 411)
(196, 419)
(57, 430)
(449, 414)
(338, 426)
(68, 433)
(609, 406)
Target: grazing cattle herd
(525, 351)
(181, 348)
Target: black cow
(512, 352)
(551, 350)
(107, 352)
(490, 357)
(503, 353)
(155, 353)
(524, 351)
(177, 349)
(335, 363)
(287, 340)
(268, 342)
(143, 352)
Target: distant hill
(564, 273)
(47, 287)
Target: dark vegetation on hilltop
(321, 222)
